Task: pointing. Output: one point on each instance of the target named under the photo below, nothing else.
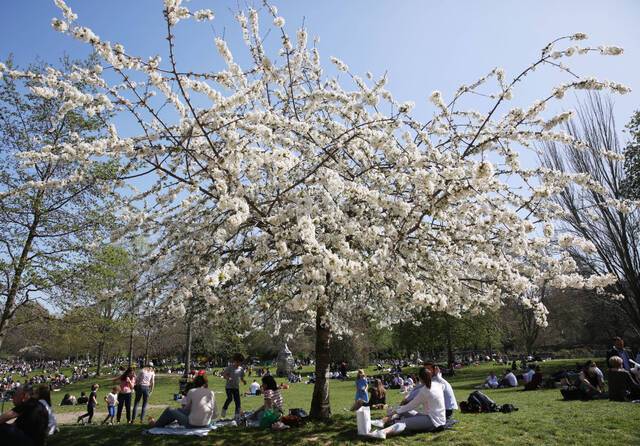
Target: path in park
(72, 417)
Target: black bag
(469, 407)
(298, 412)
(485, 403)
(508, 408)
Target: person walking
(91, 405)
(111, 399)
(144, 386)
(127, 383)
(233, 374)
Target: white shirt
(492, 381)
(450, 402)
(432, 403)
(52, 424)
(112, 399)
(146, 377)
(527, 376)
(511, 379)
(254, 387)
(201, 405)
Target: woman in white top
(198, 407)
(144, 386)
(429, 402)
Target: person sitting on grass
(198, 407)
(68, 400)
(491, 382)
(536, 380)
(622, 385)
(378, 399)
(590, 382)
(273, 400)
(254, 389)
(83, 399)
(450, 402)
(509, 379)
(432, 413)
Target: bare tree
(611, 225)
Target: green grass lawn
(543, 418)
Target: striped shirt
(275, 397)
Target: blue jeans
(235, 395)
(141, 392)
(124, 401)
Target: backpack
(481, 400)
(508, 408)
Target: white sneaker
(223, 414)
(397, 428)
(377, 423)
(380, 435)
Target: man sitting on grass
(622, 385)
(509, 379)
(31, 420)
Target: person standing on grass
(144, 386)
(127, 383)
(111, 399)
(233, 374)
(362, 385)
(91, 404)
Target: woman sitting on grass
(378, 399)
(622, 385)
(590, 382)
(198, 407)
(432, 413)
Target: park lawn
(543, 418)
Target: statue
(285, 362)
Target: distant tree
(631, 183)
(49, 210)
(601, 215)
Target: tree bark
(131, 347)
(187, 360)
(146, 347)
(100, 354)
(320, 404)
(450, 358)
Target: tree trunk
(146, 347)
(131, 347)
(9, 304)
(450, 358)
(100, 353)
(320, 404)
(187, 360)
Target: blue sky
(424, 45)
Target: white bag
(363, 416)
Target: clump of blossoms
(295, 191)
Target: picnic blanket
(180, 430)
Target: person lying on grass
(198, 407)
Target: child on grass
(112, 400)
(91, 404)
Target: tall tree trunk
(146, 346)
(320, 404)
(9, 304)
(187, 360)
(450, 358)
(131, 346)
(100, 354)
